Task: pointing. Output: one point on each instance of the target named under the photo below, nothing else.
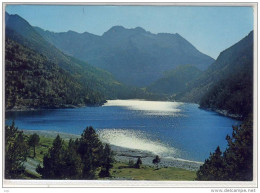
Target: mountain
(228, 83)
(33, 81)
(175, 81)
(21, 31)
(134, 56)
(93, 83)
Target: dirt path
(31, 165)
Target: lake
(168, 129)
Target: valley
(128, 104)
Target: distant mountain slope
(228, 83)
(99, 80)
(133, 56)
(175, 81)
(96, 81)
(21, 31)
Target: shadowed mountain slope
(134, 56)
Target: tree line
(233, 94)
(83, 158)
(79, 160)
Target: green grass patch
(41, 149)
(122, 171)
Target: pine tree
(10, 133)
(90, 150)
(73, 162)
(89, 170)
(79, 160)
(107, 162)
(138, 163)
(212, 170)
(15, 152)
(239, 155)
(156, 161)
(33, 142)
(54, 166)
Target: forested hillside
(33, 81)
(228, 83)
(175, 81)
(22, 32)
(233, 94)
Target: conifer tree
(54, 166)
(107, 162)
(15, 152)
(79, 160)
(213, 167)
(156, 161)
(138, 163)
(90, 150)
(73, 161)
(33, 142)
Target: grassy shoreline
(120, 170)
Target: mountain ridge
(134, 56)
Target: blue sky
(209, 29)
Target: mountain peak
(139, 29)
(114, 29)
(72, 32)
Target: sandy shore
(125, 154)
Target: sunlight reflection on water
(149, 107)
(169, 129)
(134, 139)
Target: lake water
(168, 129)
